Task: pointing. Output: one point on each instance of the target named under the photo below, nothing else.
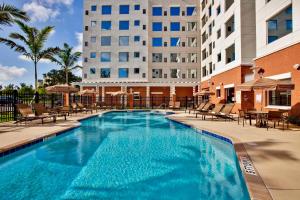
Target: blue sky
(65, 15)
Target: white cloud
(24, 58)
(39, 12)
(65, 2)
(52, 32)
(79, 37)
(9, 73)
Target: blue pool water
(135, 155)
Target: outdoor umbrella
(204, 93)
(266, 84)
(61, 89)
(87, 92)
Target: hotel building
(228, 47)
(278, 50)
(149, 47)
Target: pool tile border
(255, 185)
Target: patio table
(261, 117)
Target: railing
(9, 100)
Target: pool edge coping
(255, 184)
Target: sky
(67, 18)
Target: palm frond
(9, 13)
(42, 36)
(13, 45)
(48, 53)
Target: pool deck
(274, 153)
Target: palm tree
(67, 60)
(33, 41)
(9, 13)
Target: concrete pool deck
(274, 153)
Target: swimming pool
(125, 155)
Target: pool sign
(247, 165)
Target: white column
(103, 93)
(97, 93)
(172, 92)
(148, 97)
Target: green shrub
(294, 120)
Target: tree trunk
(35, 76)
(67, 77)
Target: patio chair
(84, 108)
(199, 107)
(276, 117)
(171, 104)
(41, 110)
(242, 115)
(176, 105)
(28, 115)
(205, 109)
(214, 112)
(225, 113)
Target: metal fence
(9, 100)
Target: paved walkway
(274, 153)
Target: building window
(230, 54)
(93, 55)
(123, 72)
(228, 4)
(137, 7)
(157, 26)
(137, 38)
(136, 22)
(106, 25)
(175, 11)
(157, 57)
(192, 26)
(105, 72)
(218, 93)
(192, 42)
(218, 33)
(136, 54)
(192, 57)
(280, 24)
(106, 10)
(93, 70)
(230, 95)
(218, 10)
(124, 41)
(136, 70)
(229, 26)
(279, 98)
(219, 57)
(123, 56)
(175, 57)
(157, 42)
(93, 23)
(175, 73)
(192, 73)
(123, 25)
(105, 57)
(93, 8)
(204, 71)
(191, 11)
(124, 9)
(156, 11)
(175, 42)
(156, 73)
(175, 26)
(93, 39)
(105, 41)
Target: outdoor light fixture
(296, 66)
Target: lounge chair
(28, 115)
(176, 105)
(198, 108)
(214, 112)
(225, 113)
(41, 110)
(205, 109)
(84, 109)
(171, 104)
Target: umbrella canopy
(204, 93)
(87, 92)
(119, 93)
(61, 89)
(266, 84)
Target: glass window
(136, 54)
(93, 8)
(157, 42)
(93, 70)
(123, 72)
(106, 10)
(105, 57)
(157, 26)
(156, 11)
(157, 57)
(280, 98)
(175, 42)
(175, 11)
(93, 39)
(106, 25)
(124, 41)
(123, 56)
(136, 70)
(272, 25)
(124, 9)
(137, 7)
(93, 23)
(93, 55)
(192, 73)
(105, 72)
(190, 11)
(289, 10)
(175, 26)
(105, 40)
(289, 24)
(137, 38)
(123, 25)
(136, 22)
(175, 73)
(156, 73)
(272, 38)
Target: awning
(157, 93)
(267, 84)
(87, 92)
(61, 89)
(204, 93)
